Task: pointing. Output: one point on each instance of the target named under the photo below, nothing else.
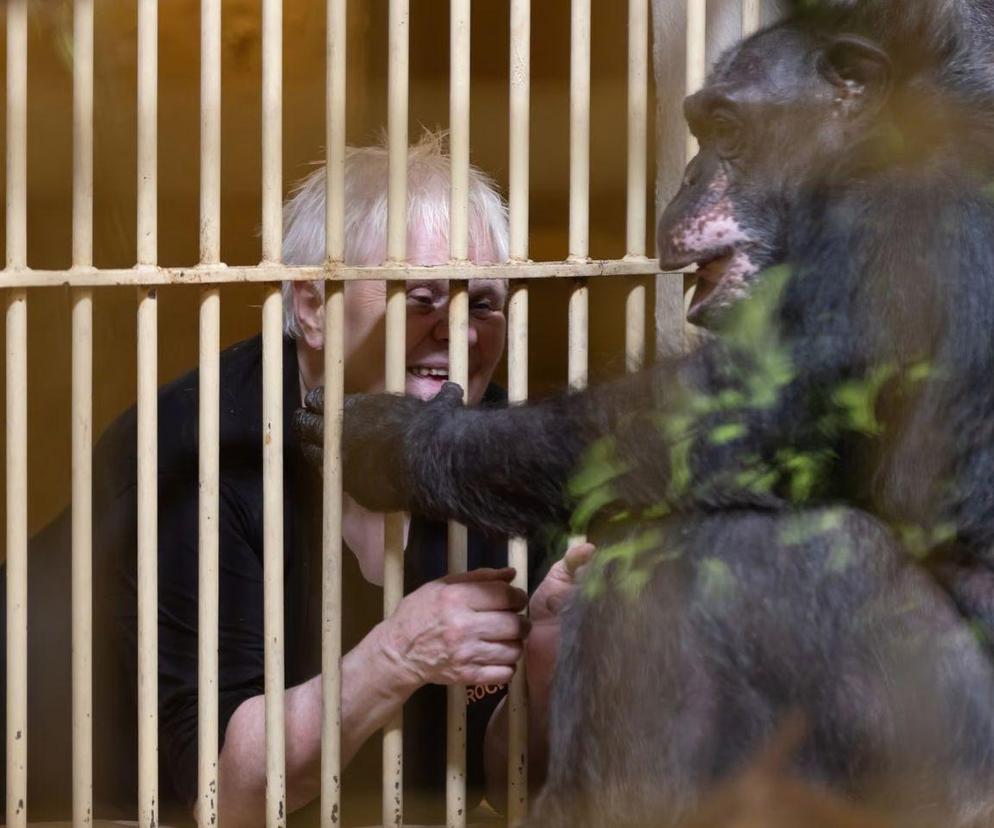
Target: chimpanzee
(799, 515)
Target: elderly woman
(460, 630)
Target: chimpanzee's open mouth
(709, 275)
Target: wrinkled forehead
(776, 63)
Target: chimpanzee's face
(776, 111)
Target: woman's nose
(441, 329)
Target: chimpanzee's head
(779, 111)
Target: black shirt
(241, 654)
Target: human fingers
(484, 596)
(496, 652)
(500, 626)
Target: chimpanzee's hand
(380, 441)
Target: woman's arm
(460, 629)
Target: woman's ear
(308, 307)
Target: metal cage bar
(209, 401)
(696, 56)
(638, 88)
(751, 16)
(459, 73)
(517, 370)
(396, 368)
(334, 384)
(147, 244)
(579, 187)
(82, 419)
(17, 417)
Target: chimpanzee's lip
(710, 273)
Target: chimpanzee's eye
(726, 134)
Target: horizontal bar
(221, 274)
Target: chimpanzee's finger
(308, 427)
(314, 401)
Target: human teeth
(429, 372)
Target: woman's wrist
(397, 676)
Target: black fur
(800, 514)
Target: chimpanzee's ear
(857, 67)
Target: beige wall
(49, 174)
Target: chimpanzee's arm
(682, 434)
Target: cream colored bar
(517, 372)
(209, 416)
(272, 372)
(148, 661)
(520, 87)
(82, 420)
(750, 16)
(17, 555)
(148, 63)
(334, 384)
(696, 56)
(272, 134)
(517, 556)
(208, 508)
(19, 277)
(638, 92)
(459, 75)
(455, 787)
(331, 589)
(272, 552)
(396, 367)
(579, 130)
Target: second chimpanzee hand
(380, 433)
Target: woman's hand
(462, 629)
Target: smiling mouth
(423, 372)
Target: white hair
(366, 186)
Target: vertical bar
(331, 679)
(147, 130)
(82, 420)
(517, 372)
(396, 368)
(210, 131)
(750, 16)
(17, 550)
(696, 56)
(272, 133)
(272, 522)
(209, 414)
(207, 625)
(459, 75)
(579, 130)
(638, 86)
(148, 724)
(334, 388)
(272, 405)
(579, 189)
(148, 727)
(517, 555)
(17, 136)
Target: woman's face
(427, 328)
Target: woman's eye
(483, 306)
(421, 297)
